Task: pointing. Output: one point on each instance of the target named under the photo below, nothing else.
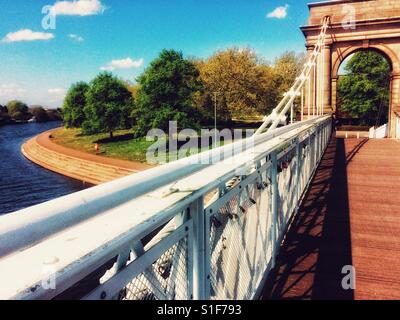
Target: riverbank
(82, 166)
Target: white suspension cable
(302, 104)
(309, 98)
(323, 81)
(278, 114)
(319, 84)
(291, 113)
(315, 89)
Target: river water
(22, 183)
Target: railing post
(199, 249)
(274, 206)
(314, 151)
(318, 143)
(321, 141)
(298, 171)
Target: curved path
(86, 167)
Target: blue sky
(38, 65)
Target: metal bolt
(103, 295)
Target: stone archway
(375, 26)
(341, 51)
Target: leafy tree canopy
(364, 90)
(240, 80)
(286, 68)
(133, 88)
(166, 93)
(3, 109)
(108, 105)
(18, 110)
(74, 104)
(246, 85)
(39, 113)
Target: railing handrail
(28, 226)
(99, 241)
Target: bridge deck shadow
(318, 243)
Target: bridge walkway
(350, 216)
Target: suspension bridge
(274, 216)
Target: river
(22, 183)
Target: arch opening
(363, 89)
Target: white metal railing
(190, 229)
(157, 234)
(380, 132)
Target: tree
(18, 110)
(286, 68)
(166, 93)
(364, 90)
(242, 81)
(4, 117)
(54, 114)
(108, 105)
(74, 104)
(39, 113)
(133, 88)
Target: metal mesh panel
(239, 243)
(304, 156)
(287, 185)
(165, 279)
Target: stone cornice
(360, 23)
(333, 2)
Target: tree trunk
(111, 135)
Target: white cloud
(279, 13)
(11, 91)
(27, 35)
(57, 95)
(76, 38)
(127, 63)
(78, 8)
(56, 91)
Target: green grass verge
(123, 146)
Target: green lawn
(122, 147)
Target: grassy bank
(122, 146)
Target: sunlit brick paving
(350, 216)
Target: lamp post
(215, 116)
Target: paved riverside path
(86, 167)
(350, 216)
